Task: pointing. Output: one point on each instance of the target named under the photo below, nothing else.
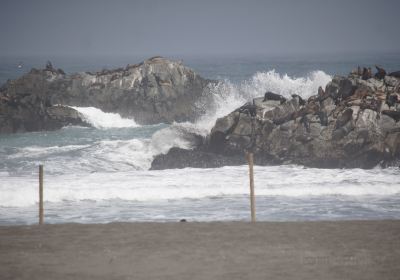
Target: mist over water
(100, 174)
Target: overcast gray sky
(198, 27)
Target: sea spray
(224, 97)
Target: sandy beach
(228, 250)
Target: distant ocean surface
(101, 174)
(236, 68)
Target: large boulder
(154, 91)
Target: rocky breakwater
(354, 122)
(154, 91)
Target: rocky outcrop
(354, 122)
(25, 105)
(154, 91)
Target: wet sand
(221, 250)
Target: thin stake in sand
(250, 160)
(41, 211)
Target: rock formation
(354, 122)
(25, 104)
(154, 91)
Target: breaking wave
(102, 120)
(192, 183)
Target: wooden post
(250, 160)
(40, 194)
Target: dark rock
(393, 114)
(181, 158)
(395, 74)
(25, 117)
(63, 116)
(198, 158)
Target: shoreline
(357, 249)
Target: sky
(184, 27)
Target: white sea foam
(102, 120)
(103, 155)
(39, 151)
(200, 183)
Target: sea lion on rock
(49, 66)
(322, 95)
(323, 118)
(392, 100)
(306, 122)
(302, 102)
(273, 96)
(356, 72)
(248, 109)
(359, 94)
(321, 91)
(344, 118)
(367, 74)
(372, 104)
(381, 73)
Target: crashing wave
(224, 97)
(102, 120)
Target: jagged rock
(393, 114)
(154, 91)
(157, 90)
(354, 122)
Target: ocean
(101, 174)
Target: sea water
(101, 174)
